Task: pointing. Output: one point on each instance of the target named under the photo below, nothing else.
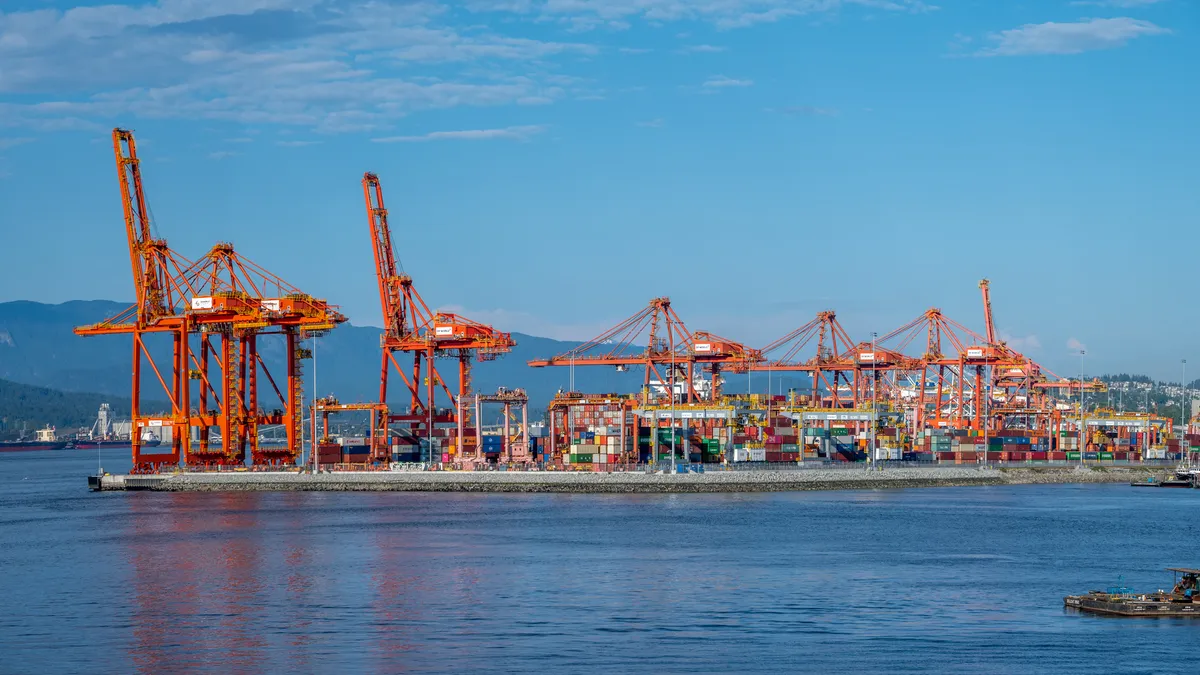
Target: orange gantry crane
(213, 309)
(410, 327)
(827, 367)
(669, 345)
(968, 380)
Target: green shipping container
(581, 459)
(839, 432)
(1073, 456)
(1106, 455)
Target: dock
(617, 482)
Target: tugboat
(1183, 600)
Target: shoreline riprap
(629, 482)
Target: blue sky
(551, 165)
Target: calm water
(946, 580)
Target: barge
(1182, 601)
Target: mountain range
(38, 347)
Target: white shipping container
(887, 453)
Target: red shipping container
(1058, 456)
(774, 456)
(1039, 456)
(790, 456)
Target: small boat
(1182, 600)
(1187, 475)
(1176, 482)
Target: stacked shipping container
(596, 434)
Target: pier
(766, 480)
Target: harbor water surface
(943, 580)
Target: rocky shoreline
(630, 482)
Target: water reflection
(197, 586)
(945, 580)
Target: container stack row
(596, 435)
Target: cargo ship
(1183, 600)
(45, 439)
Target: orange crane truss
(668, 343)
(410, 326)
(220, 303)
(961, 361)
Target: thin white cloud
(6, 143)
(517, 133)
(651, 124)
(222, 154)
(1028, 343)
(1123, 4)
(702, 49)
(1069, 38)
(805, 111)
(721, 81)
(1075, 345)
(750, 18)
(296, 144)
(725, 14)
(328, 65)
(457, 48)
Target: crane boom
(143, 256)
(391, 298)
(984, 285)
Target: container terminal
(932, 391)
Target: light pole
(1183, 406)
(313, 415)
(874, 386)
(987, 397)
(1082, 433)
(674, 431)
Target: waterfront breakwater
(626, 482)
